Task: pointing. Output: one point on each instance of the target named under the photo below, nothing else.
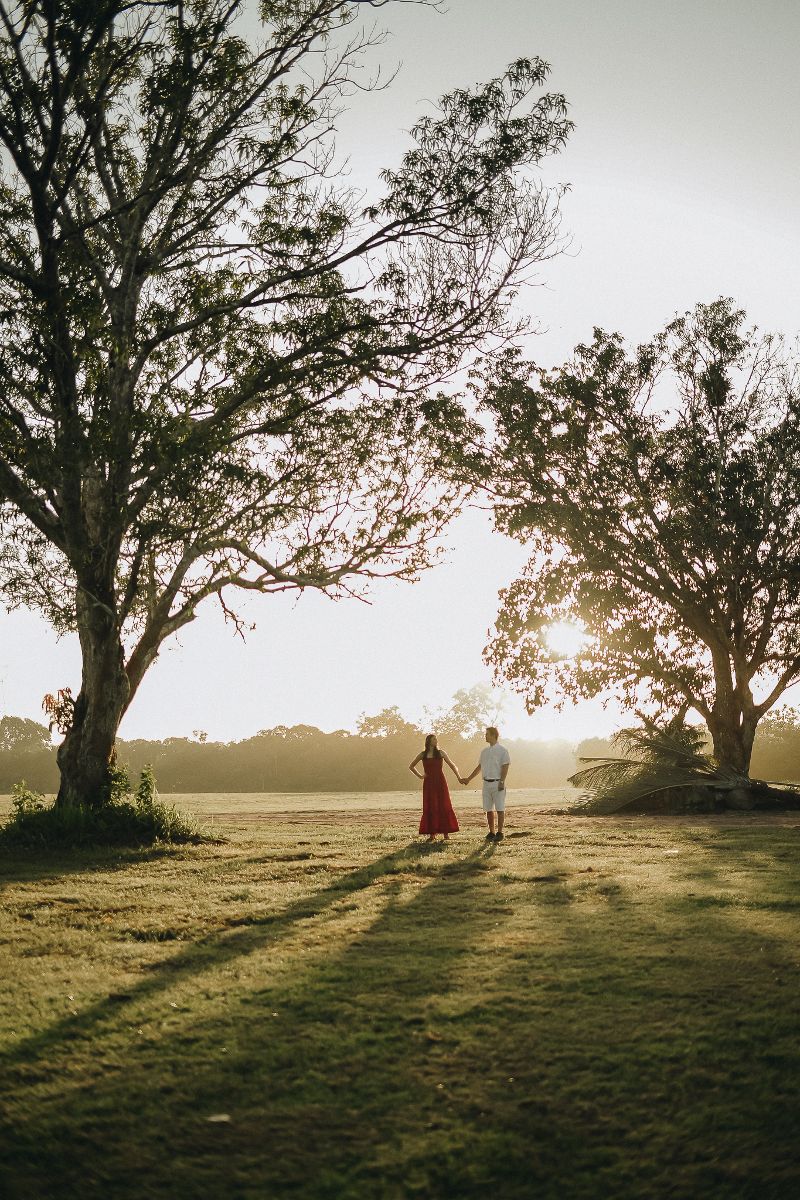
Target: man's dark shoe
(489, 837)
(498, 837)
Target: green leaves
(657, 758)
(218, 367)
(661, 494)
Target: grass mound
(139, 819)
(665, 769)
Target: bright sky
(685, 184)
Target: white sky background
(685, 184)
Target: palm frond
(668, 756)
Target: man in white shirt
(493, 767)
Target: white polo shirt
(493, 758)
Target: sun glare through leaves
(565, 639)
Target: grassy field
(319, 1006)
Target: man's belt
(491, 780)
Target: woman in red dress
(437, 811)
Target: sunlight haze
(684, 184)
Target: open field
(320, 1006)
(243, 806)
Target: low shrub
(146, 793)
(126, 820)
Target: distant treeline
(302, 758)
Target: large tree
(219, 368)
(659, 492)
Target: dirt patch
(522, 821)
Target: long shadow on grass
(746, 869)
(24, 866)
(450, 1051)
(361, 1014)
(243, 937)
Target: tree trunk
(732, 739)
(85, 754)
(731, 722)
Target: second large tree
(659, 491)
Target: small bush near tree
(138, 818)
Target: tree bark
(85, 755)
(732, 738)
(732, 721)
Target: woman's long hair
(428, 743)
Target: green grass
(596, 1007)
(37, 824)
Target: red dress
(437, 811)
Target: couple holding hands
(437, 811)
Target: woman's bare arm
(452, 767)
(413, 764)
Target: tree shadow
(32, 867)
(417, 1060)
(242, 937)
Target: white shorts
(493, 797)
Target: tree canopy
(389, 722)
(469, 713)
(220, 368)
(659, 491)
(23, 734)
